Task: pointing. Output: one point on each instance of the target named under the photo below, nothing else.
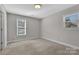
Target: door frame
(1, 42)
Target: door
(0, 31)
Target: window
(21, 27)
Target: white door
(0, 31)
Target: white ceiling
(29, 10)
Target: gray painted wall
(32, 31)
(53, 28)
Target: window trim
(21, 20)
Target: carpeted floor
(38, 47)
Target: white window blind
(21, 27)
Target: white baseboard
(63, 43)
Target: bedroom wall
(32, 31)
(53, 28)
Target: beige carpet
(38, 47)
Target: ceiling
(29, 10)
